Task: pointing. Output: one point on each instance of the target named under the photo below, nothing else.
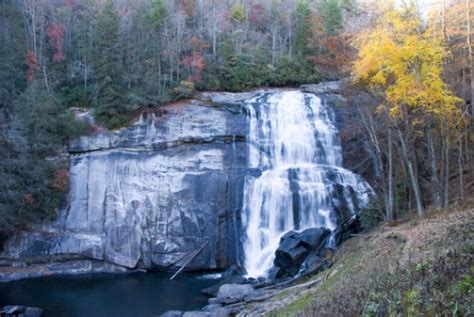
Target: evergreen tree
(12, 53)
(332, 15)
(111, 104)
(303, 29)
(158, 11)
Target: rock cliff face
(148, 195)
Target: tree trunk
(368, 123)
(461, 169)
(435, 188)
(46, 83)
(390, 179)
(446, 165)
(443, 19)
(413, 178)
(469, 51)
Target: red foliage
(32, 63)
(257, 15)
(55, 35)
(197, 43)
(335, 55)
(61, 180)
(195, 63)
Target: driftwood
(193, 255)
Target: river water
(128, 295)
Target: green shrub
(372, 214)
(185, 89)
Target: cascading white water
(294, 142)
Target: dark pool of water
(137, 295)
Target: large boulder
(290, 253)
(346, 229)
(295, 246)
(235, 292)
(294, 250)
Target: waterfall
(295, 145)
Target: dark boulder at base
(299, 252)
(290, 253)
(346, 229)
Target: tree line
(420, 76)
(120, 56)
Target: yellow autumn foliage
(405, 62)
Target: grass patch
(295, 307)
(414, 268)
(282, 295)
(344, 268)
(426, 270)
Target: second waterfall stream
(294, 143)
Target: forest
(120, 57)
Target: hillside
(412, 268)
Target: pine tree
(158, 11)
(12, 53)
(111, 104)
(303, 29)
(332, 15)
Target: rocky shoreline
(14, 270)
(299, 256)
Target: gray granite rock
(235, 291)
(151, 194)
(331, 87)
